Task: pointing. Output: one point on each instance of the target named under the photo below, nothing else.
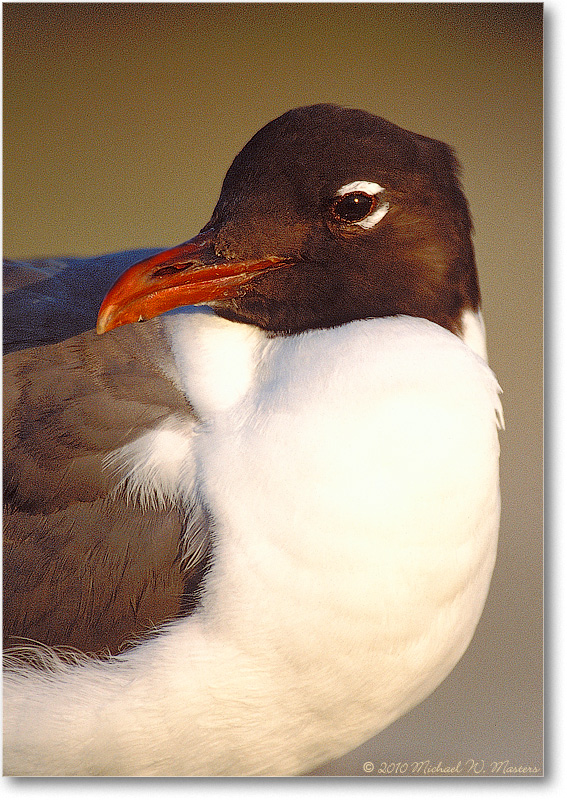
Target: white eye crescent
(357, 203)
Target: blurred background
(120, 121)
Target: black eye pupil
(353, 207)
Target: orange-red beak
(185, 275)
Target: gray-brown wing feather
(83, 565)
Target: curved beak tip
(109, 316)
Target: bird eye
(360, 203)
(353, 207)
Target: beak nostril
(171, 269)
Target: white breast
(354, 485)
(352, 477)
(358, 483)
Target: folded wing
(87, 563)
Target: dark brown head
(326, 216)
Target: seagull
(247, 534)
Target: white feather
(353, 483)
(150, 470)
(473, 331)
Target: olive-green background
(120, 121)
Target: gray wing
(49, 300)
(83, 566)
